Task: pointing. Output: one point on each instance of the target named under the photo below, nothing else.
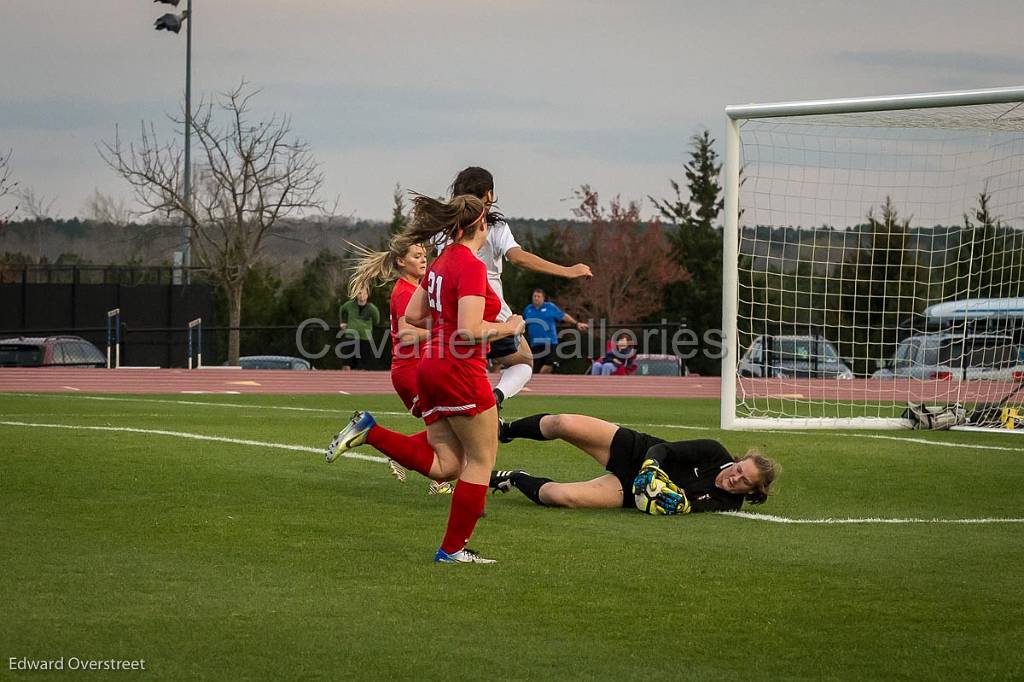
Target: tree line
(254, 181)
(873, 296)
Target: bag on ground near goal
(997, 415)
(935, 417)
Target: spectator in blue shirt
(541, 317)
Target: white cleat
(397, 470)
(463, 556)
(352, 436)
(443, 488)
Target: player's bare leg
(590, 434)
(478, 436)
(449, 456)
(603, 492)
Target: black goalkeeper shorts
(627, 455)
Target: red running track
(224, 380)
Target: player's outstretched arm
(530, 261)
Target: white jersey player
(500, 241)
(512, 353)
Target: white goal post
(853, 227)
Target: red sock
(412, 452)
(467, 506)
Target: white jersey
(499, 242)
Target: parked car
(789, 357)
(273, 362)
(658, 366)
(50, 351)
(945, 355)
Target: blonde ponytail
(375, 268)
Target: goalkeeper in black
(685, 476)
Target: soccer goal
(874, 259)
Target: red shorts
(403, 378)
(450, 388)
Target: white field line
(202, 403)
(193, 436)
(921, 441)
(926, 441)
(667, 426)
(244, 406)
(373, 458)
(341, 414)
(831, 522)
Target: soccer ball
(647, 498)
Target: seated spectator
(618, 360)
(541, 318)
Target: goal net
(874, 259)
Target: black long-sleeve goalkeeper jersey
(693, 465)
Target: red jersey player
(455, 397)
(407, 262)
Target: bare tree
(7, 186)
(104, 208)
(40, 209)
(249, 177)
(36, 206)
(632, 260)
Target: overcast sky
(548, 94)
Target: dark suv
(63, 351)
(790, 357)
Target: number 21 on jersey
(434, 291)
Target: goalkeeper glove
(649, 472)
(672, 501)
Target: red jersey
(456, 273)
(409, 354)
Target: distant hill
(781, 248)
(155, 243)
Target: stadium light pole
(173, 22)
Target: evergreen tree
(399, 213)
(878, 286)
(697, 245)
(317, 291)
(989, 262)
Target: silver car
(790, 357)
(950, 355)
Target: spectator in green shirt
(358, 317)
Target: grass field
(241, 561)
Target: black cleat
(503, 436)
(499, 398)
(501, 481)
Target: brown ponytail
(431, 217)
